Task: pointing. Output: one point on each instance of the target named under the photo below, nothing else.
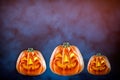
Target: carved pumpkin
(30, 62)
(98, 65)
(66, 60)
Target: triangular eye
(66, 60)
(72, 55)
(102, 61)
(35, 58)
(58, 55)
(30, 62)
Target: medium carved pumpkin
(66, 60)
(30, 62)
(98, 65)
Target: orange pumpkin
(30, 62)
(98, 65)
(66, 60)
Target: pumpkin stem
(66, 44)
(30, 50)
(98, 54)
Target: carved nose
(30, 61)
(65, 59)
(98, 64)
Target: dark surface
(93, 26)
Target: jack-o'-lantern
(31, 62)
(98, 65)
(66, 60)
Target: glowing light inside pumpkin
(98, 65)
(30, 62)
(66, 60)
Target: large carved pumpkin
(98, 65)
(66, 60)
(30, 62)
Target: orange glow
(30, 62)
(98, 65)
(66, 60)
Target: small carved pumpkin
(98, 65)
(30, 62)
(66, 60)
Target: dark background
(93, 26)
